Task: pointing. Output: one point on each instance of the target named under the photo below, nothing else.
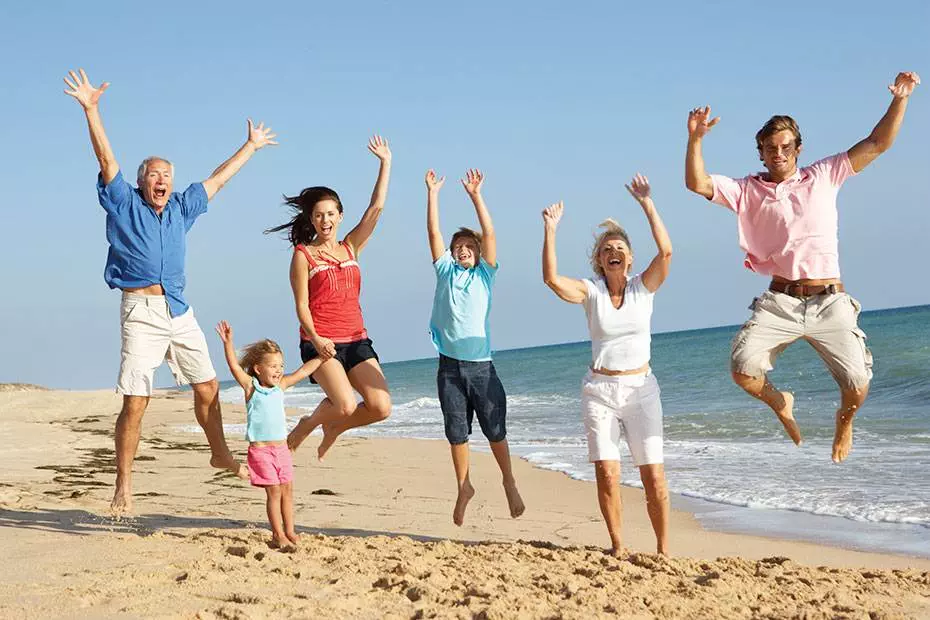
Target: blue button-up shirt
(146, 249)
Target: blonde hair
(464, 231)
(612, 230)
(253, 353)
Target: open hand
(434, 183)
(261, 136)
(225, 331)
(552, 214)
(379, 148)
(81, 89)
(472, 181)
(904, 84)
(699, 122)
(639, 188)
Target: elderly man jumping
(146, 229)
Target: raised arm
(299, 271)
(657, 271)
(569, 289)
(359, 235)
(433, 185)
(883, 136)
(258, 137)
(696, 179)
(472, 184)
(81, 89)
(241, 376)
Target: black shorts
(349, 354)
(466, 389)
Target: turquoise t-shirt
(265, 417)
(461, 309)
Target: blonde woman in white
(619, 391)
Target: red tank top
(334, 289)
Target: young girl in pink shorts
(260, 372)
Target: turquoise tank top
(265, 418)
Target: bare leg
(782, 403)
(287, 512)
(273, 508)
(608, 496)
(501, 451)
(460, 459)
(338, 405)
(207, 410)
(368, 379)
(653, 477)
(851, 400)
(128, 431)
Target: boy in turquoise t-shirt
(467, 381)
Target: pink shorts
(270, 465)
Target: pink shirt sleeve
(727, 191)
(834, 169)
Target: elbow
(666, 254)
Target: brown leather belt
(805, 290)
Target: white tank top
(620, 337)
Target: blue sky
(552, 100)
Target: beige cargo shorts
(828, 322)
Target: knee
(346, 407)
(134, 406)
(607, 475)
(656, 489)
(208, 390)
(380, 408)
(753, 385)
(854, 398)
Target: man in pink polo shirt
(787, 225)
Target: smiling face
(270, 369)
(779, 152)
(326, 218)
(614, 256)
(466, 252)
(156, 183)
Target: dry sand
(378, 542)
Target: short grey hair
(143, 167)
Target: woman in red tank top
(326, 281)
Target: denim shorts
(467, 388)
(349, 354)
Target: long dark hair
(300, 230)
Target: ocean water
(727, 457)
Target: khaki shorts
(150, 336)
(827, 322)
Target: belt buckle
(788, 288)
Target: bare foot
(786, 417)
(514, 500)
(231, 465)
(616, 551)
(300, 432)
(466, 492)
(294, 537)
(122, 502)
(842, 440)
(330, 434)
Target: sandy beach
(378, 540)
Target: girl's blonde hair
(253, 353)
(612, 230)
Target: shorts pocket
(866, 352)
(856, 306)
(130, 313)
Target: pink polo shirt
(788, 229)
